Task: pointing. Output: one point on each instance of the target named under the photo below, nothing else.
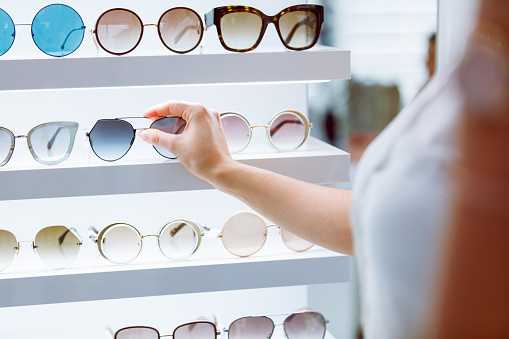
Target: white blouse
(399, 209)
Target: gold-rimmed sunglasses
(245, 233)
(286, 130)
(57, 246)
(121, 243)
(119, 30)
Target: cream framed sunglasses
(49, 143)
(57, 246)
(245, 233)
(287, 130)
(121, 243)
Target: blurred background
(392, 48)
(392, 44)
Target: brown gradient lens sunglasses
(241, 28)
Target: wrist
(225, 175)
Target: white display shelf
(169, 278)
(317, 64)
(318, 163)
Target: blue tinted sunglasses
(57, 30)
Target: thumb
(157, 138)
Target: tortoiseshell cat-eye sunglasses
(241, 28)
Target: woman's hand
(201, 148)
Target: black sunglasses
(111, 139)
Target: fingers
(181, 109)
(158, 138)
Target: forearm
(315, 213)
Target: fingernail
(143, 134)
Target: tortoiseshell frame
(214, 18)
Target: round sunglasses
(57, 246)
(193, 330)
(119, 30)
(245, 233)
(49, 143)
(57, 30)
(111, 139)
(286, 130)
(241, 28)
(121, 243)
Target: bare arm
(474, 294)
(315, 213)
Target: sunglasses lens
(180, 29)
(197, 330)
(244, 234)
(58, 30)
(295, 243)
(57, 246)
(241, 30)
(236, 131)
(178, 240)
(306, 325)
(287, 132)
(111, 139)
(251, 328)
(299, 28)
(137, 333)
(119, 31)
(121, 243)
(51, 143)
(6, 142)
(172, 125)
(7, 248)
(7, 32)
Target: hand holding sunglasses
(241, 28)
(111, 139)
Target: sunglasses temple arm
(184, 31)
(110, 332)
(211, 233)
(274, 129)
(295, 28)
(69, 34)
(93, 233)
(209, 19)
(52, 140)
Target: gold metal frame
(34, 246)
(302, 117)
(220, 235)
(98, 237)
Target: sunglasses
(111, 139)
(121, 243)
(245, 233)
(119, 31)
(57, 30)
(241, 28)
(193, 330)
(286, 130)
(57, 246)
(49, 143)
(305, 325)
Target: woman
(393, 222)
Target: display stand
(147, 190)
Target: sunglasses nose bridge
(145, 25)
